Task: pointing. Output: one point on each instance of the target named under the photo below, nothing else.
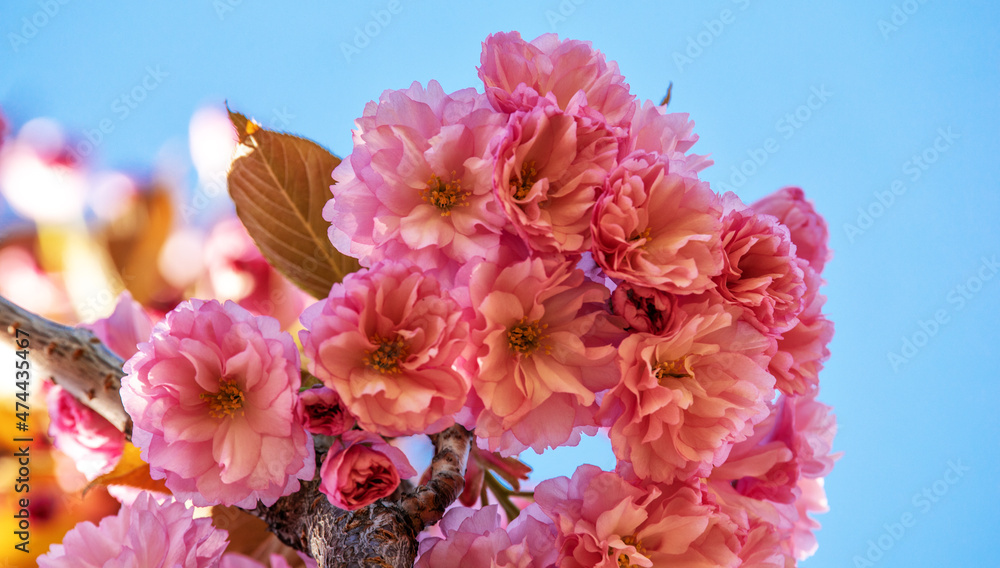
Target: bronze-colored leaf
(280, 184)
(134, 240)
(131, 471)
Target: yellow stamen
(526, 336)
(228, 401)
(644, 235)
(673, 369)
(386, 358)
(523, 184)
(445, 195)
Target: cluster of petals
(416, 186)
(793, 442)
(476, 537)
(604, 284)
(362, 470)
(213, 398)
(386, 339)
(658, 228)
(684, 399)
(538, 368)
(568, 69)
(807, 228)
(603, 521)
(760, 270)
(670, 134)
(802, 350)
(144, 534)
(549, 167)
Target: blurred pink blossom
(125, 328)
(82, 434)
(236, 270)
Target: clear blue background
(889, 93)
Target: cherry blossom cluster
(542, 261)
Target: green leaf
(280, 184)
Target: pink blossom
(125, 328)
(323, 412)
(386, 340)
(604, 522)
(802, 350)
(538, 368)
(473, 537)
(549, 167)
(684, 400)
(236, 270)
(143, 535)
(657, 228)
(806, 227)
(82, 434)
(213, 399)
(790, 525)
(668, 133)
(416, 186)
(760, 272)
(793, 442)
(566, 69)
(363, 470)
(233, 560)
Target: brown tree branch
(383, 534)
(72, 357)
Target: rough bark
(381, 535)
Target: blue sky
(885, 112)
